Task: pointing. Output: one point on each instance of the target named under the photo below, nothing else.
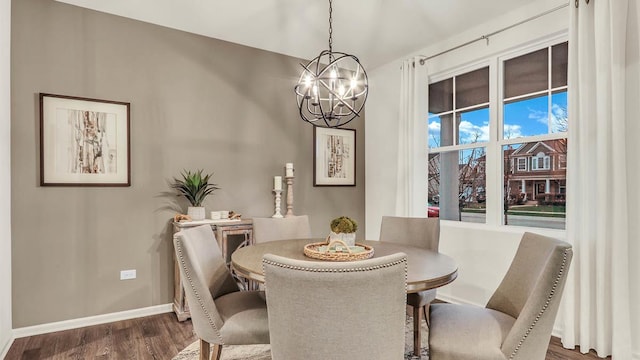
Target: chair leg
(204, 350)
(217, 351)
(427, 315)
(416, 330)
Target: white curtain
(411, 195)
(601, 210)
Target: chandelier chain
(330, 26)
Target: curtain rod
(486, 37)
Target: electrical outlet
(127, 274)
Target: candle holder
(278, 200)
(289, 196)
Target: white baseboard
(6, 348)
(90, 320)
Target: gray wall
(5, 178)
(195, 103)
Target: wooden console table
(230, 234)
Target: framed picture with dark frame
(334, 157)
(84, 142)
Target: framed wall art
(334, 157)
(84, 142)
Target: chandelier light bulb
(341, 90)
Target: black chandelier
(332, 88)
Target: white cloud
(559, 118)
(512, 131)
(434, 134)
(470, 132)
(538, 115)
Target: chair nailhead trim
(211, 322)
(546, 304)
(406, 270)
(360, 269)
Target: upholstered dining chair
(336, 310)
(517, 321)
(268, 229)
(418, 232)
(220, 313)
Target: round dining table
(426, 269)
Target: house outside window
(540, 162)
(562, 161)
(522, 164)
(521, 132)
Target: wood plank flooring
(157, 337)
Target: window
(535, 122)
(522, 164)
(562, 161)
(521, 132)
(540, 162)
(458, 123)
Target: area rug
(263, 352)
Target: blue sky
(521, 118)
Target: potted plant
(344, 228)
(195, 187)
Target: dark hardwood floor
(153, 337)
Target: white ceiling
(376, 31)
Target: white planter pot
(196, 212)
(348, 238)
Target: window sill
(555, 233)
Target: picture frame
(334, 157)
(84, 142)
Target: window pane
(559, 115)
(526, 74)
(535, 195)
(473, 126)
(457, 185)
(472, 88)
(433, 124)
(526, 117)
(559, 56)
(441, 96)
(440, 130)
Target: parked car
(433, 211)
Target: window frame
(495, 164)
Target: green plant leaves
(194, 186)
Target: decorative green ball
(344, 224)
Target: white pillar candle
(289, 169)
(277, 183)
